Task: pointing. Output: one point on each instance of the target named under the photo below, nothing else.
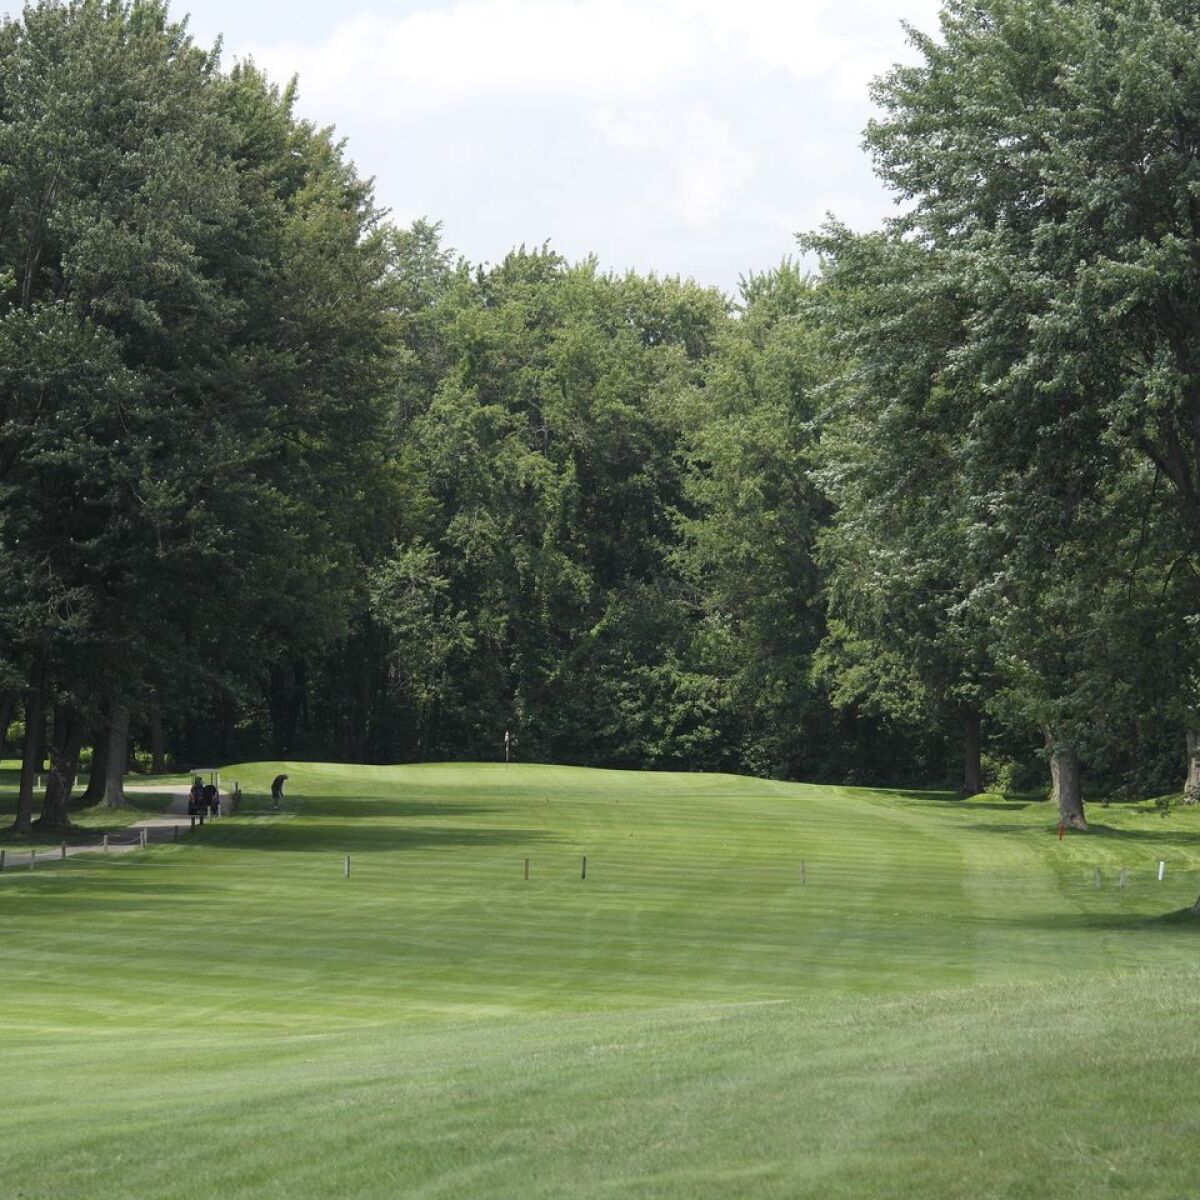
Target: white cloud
(794, 37)
(676, 135)
(609, 47)
(698, 153)
(483, 46)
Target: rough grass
(947, 1005)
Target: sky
(685, 137)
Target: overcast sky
(690, 137)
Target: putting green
(760, 989)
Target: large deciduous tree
(112, 181)
(750, 526)
(1046, 154)
(907, 635)
(531, 585)
(193, 320)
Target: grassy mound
(760, 989)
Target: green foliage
(750, 526)
(192, 339)
(409, 597)
(542, 404)
(1017, 376)
(291, 476)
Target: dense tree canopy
(1047, 154)
(188, 350)
(278, 477)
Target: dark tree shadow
(1182, 919)
(344, 837)
(1099, 832)
(1186, 918)
(953, 799)
(355, 806)
(1166, 834)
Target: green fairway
(760, 989)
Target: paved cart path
(172, 823)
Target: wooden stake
(527, 868)
(1, 860)
(347, 866)
(64, 849)
(106, 843)
(32, 857)
(583, 869)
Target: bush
(1011, 776)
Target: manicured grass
(943, 1005)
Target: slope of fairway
(760, 989)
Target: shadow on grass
(1185, 918)
(953, 799)
(1167, 833)
(1172, 834)
(1182, 919)
(339, 837)
(322, 806)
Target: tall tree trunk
(225, 711)
(30, 764)
(364, 707)
(286, 701)
(1066, 787)
(94, 792)
(158, 760)
(64, 766)
(972, 754)
(8, 706)
(1191, 787)
(43, 742)
(118, 754)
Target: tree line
(280, 478)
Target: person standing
(277, 789)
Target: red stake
(1061, 830)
